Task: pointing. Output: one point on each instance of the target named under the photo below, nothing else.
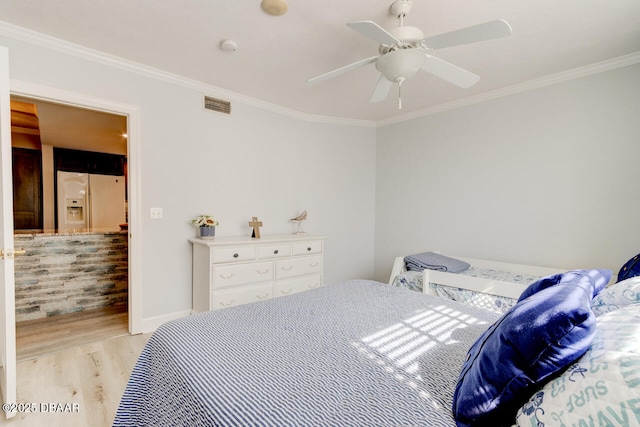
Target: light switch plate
(155, 213)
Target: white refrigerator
(90, 202)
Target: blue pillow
(538, 337)
(600, 278)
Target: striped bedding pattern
(357, 353)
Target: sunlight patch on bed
(398, 348)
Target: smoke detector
(228, 45)
(275, 7)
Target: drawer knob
(263, 271)
(289, 268)
(263, 296)
(227, 303)
(276, 252)
(287, 292)
(309, 249)
(236, 255)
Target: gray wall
(546, 177)
(256, 162)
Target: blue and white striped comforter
(358, 353)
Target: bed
(491, 285)
(322, 357)
(358, 353)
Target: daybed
(492, 285)
(363, 353)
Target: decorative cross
(256, 227)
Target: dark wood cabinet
(88, 162)
(27, 189)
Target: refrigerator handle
(89, 196)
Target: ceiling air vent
(218, 105)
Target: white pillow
(602, 388)
(616, 296)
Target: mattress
(358, 353)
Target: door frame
(8, 365)
(134, 149)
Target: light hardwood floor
(89, 374)
(52, 334)
(92, 376)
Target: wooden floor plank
(51, 334)
(77, 362)
(90, 378)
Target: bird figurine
(300, 217)
(298, 220)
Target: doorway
(114, 319)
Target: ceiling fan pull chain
(400, 80)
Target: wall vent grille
(217, 105)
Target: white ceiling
(276, 55)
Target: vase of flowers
(205, 226)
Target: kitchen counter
(69, 272)
(48, 233)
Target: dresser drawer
(233, 254)
(241, 295)
(308, 247)
(301, 266)
(229, 271)
(274, 251)
(292, 286)
(224, 276)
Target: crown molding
(576, 73)
(63, 46)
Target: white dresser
(229, 271)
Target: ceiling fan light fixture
(400, 64)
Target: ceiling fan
(404, 51)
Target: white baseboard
(150, 324)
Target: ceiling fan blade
(477, 33)
(449, 72)
(374, 32)
(342, 70)
(382, 89)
